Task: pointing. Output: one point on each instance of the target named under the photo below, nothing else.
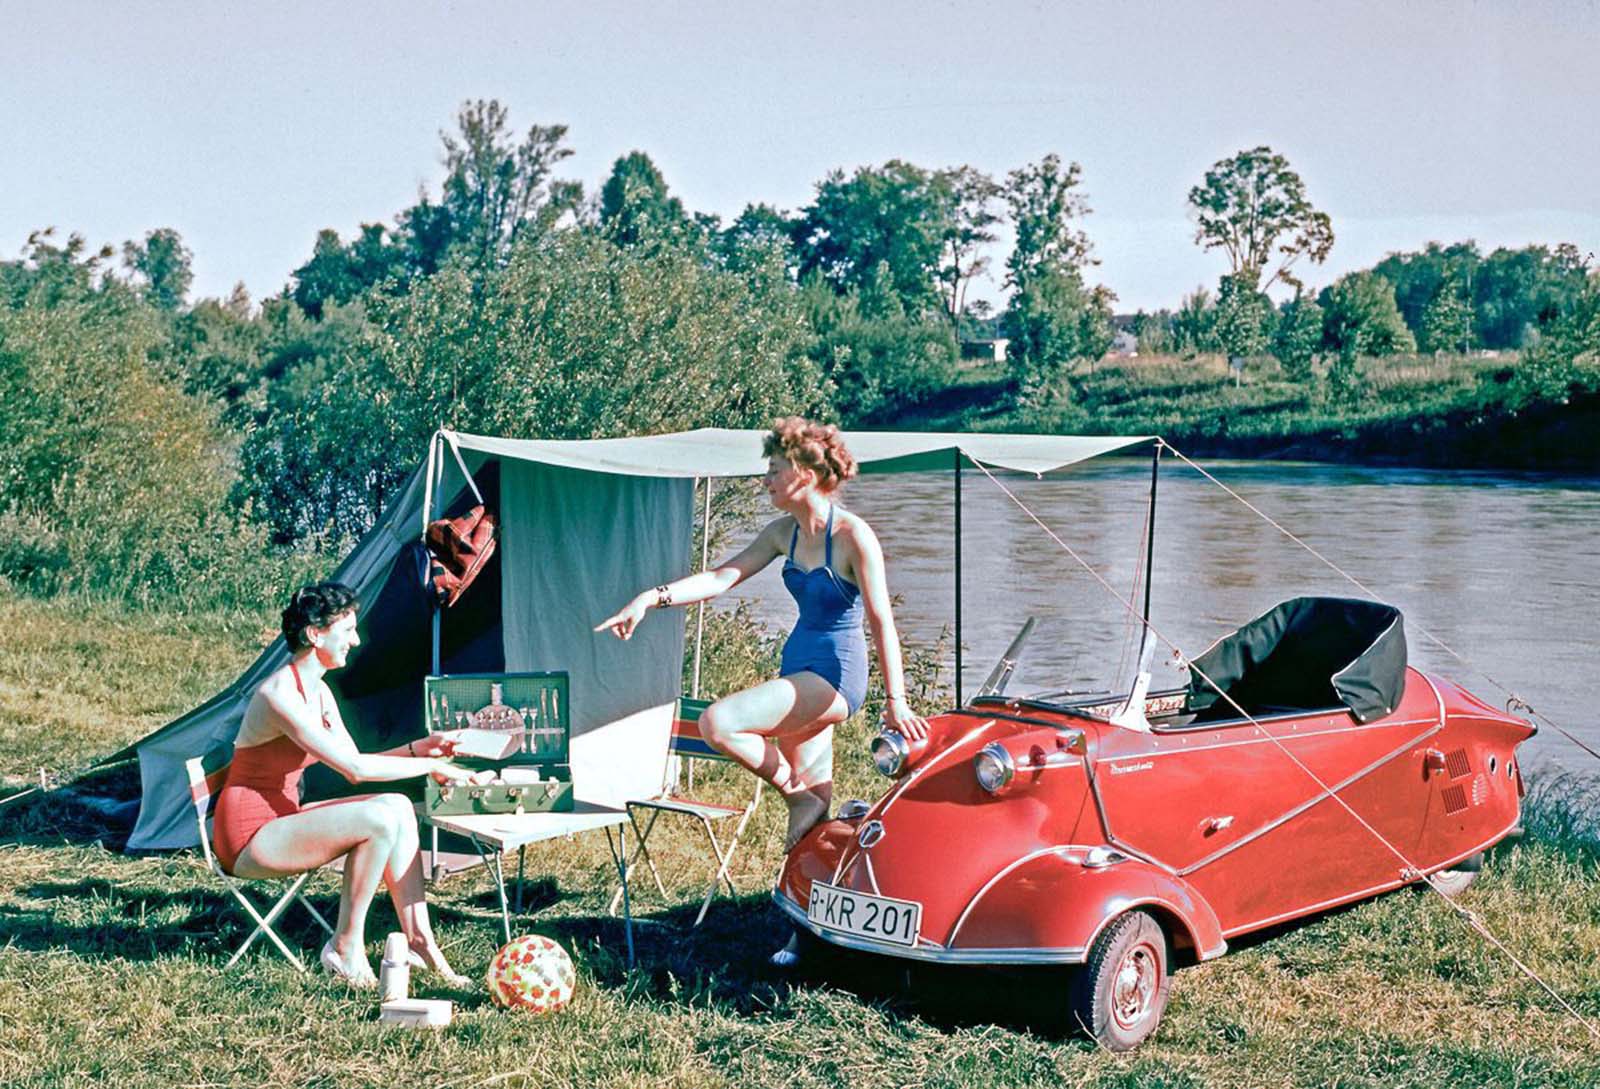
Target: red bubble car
(1305, 766)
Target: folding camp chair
(687, 744)
(200, 791)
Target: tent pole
(435, 478)
(700, 610)
(959, 700)
(1150, 546)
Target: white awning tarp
(728, 452)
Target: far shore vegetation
(171, 466)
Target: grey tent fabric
(1306, 654)
(559, 584)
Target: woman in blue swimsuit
(783, 729)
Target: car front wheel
(1119, 994)
(1455, 881)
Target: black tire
(1119, 994)
(1455, 881)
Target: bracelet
(663, 596)
(892, 699)
(411, 748)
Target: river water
(1503, 569)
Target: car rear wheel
(1121, 991)
(1458, 879)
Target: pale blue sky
(249, 127)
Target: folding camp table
(493, 834)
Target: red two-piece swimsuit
(263, 784)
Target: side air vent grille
(1456, 764)
(1455, 799)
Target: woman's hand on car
(898, 716)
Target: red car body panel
(1217, 829)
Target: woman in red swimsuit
(261, 830)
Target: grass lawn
(111, 966)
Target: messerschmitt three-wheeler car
(1305, 766)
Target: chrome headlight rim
(890, 751)
(853, 810)
(996, 759)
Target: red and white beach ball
(531, 973)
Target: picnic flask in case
(532, 709)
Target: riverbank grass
(111, 966)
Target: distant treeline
(158, 448)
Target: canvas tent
(584, 524)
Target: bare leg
(797, 712)
(403, 875)
(364, 830)
(811, 759)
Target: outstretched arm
(897, 712)
(700, 586)
(335, 747)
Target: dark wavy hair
(315, 606)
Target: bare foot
(432, 959)
(807, 809)
(353, 970)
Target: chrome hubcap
(1133, 988)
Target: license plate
(875, 917)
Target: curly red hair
(814, 446)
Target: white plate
(876, 917)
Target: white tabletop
(503, 831)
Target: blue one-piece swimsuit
(827, 639)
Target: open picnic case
(516, 725)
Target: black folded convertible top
(1307, 654)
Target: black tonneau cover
(1307, 654)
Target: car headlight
(889, 753)
(994, 767)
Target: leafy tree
(1362, 318)
(1418, 276)
(340, 274)
(879, 358)
(1243, 316)
(1518, 293)
(1254, 208)
(759, 234)
(897, 215)
(1194, 323)
(1054, 324)
(1055, 319)
(216, 351)
(163, 266)
(968, 230)
(48, 274)
(635, 205)
(1298, 337)
(574, 337)
(112, 479)
(1152, 333)
(1046, 206)
(1447, 321)
(498, 189)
